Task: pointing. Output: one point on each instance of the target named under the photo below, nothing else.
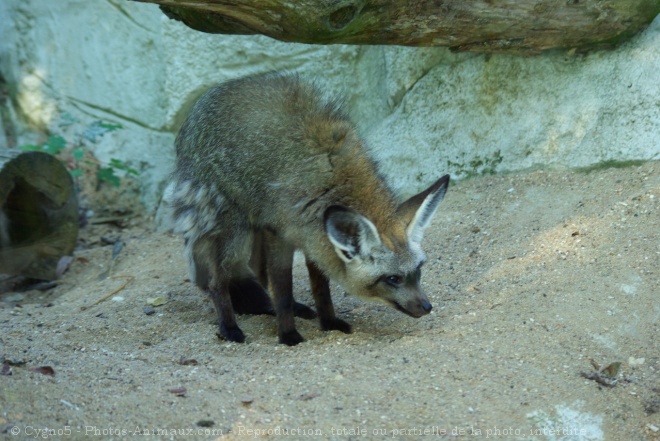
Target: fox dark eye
(394, 280)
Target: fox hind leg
(248, 295)
(246, 288)
(216, 259)
(303, 311)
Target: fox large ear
(352, 234)
(418, 211)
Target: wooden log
(496, 26)
(38, 214)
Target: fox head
(385, 265)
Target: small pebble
(178, 391)
(108, 240)
(148, 310)
(632, 361)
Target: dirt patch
(535, 278)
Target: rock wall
(424, 111)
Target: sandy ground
(533, 276)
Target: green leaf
(117, 163)
(121, 165)
(55, 144)
(107, 174)
(30, 147)
(97, 129)
(76, 172)
(78, 153)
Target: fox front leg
(323, 301)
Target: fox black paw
(291, 338)
(231, 333)
(303, 311)
(335, 324)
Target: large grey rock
(472, 114)
(424, 111)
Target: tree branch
(513, 26)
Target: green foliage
(611, 163)
(479, 165)
(72, 155)
(98, 128)
(78, 153)
(53, 146)
(108, 175)
(121, 165)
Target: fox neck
(359, 185)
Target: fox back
(268, 154)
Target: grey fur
(266, 155)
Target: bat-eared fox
(265, 166)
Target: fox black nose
(427, 307)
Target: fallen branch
(129, 279)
